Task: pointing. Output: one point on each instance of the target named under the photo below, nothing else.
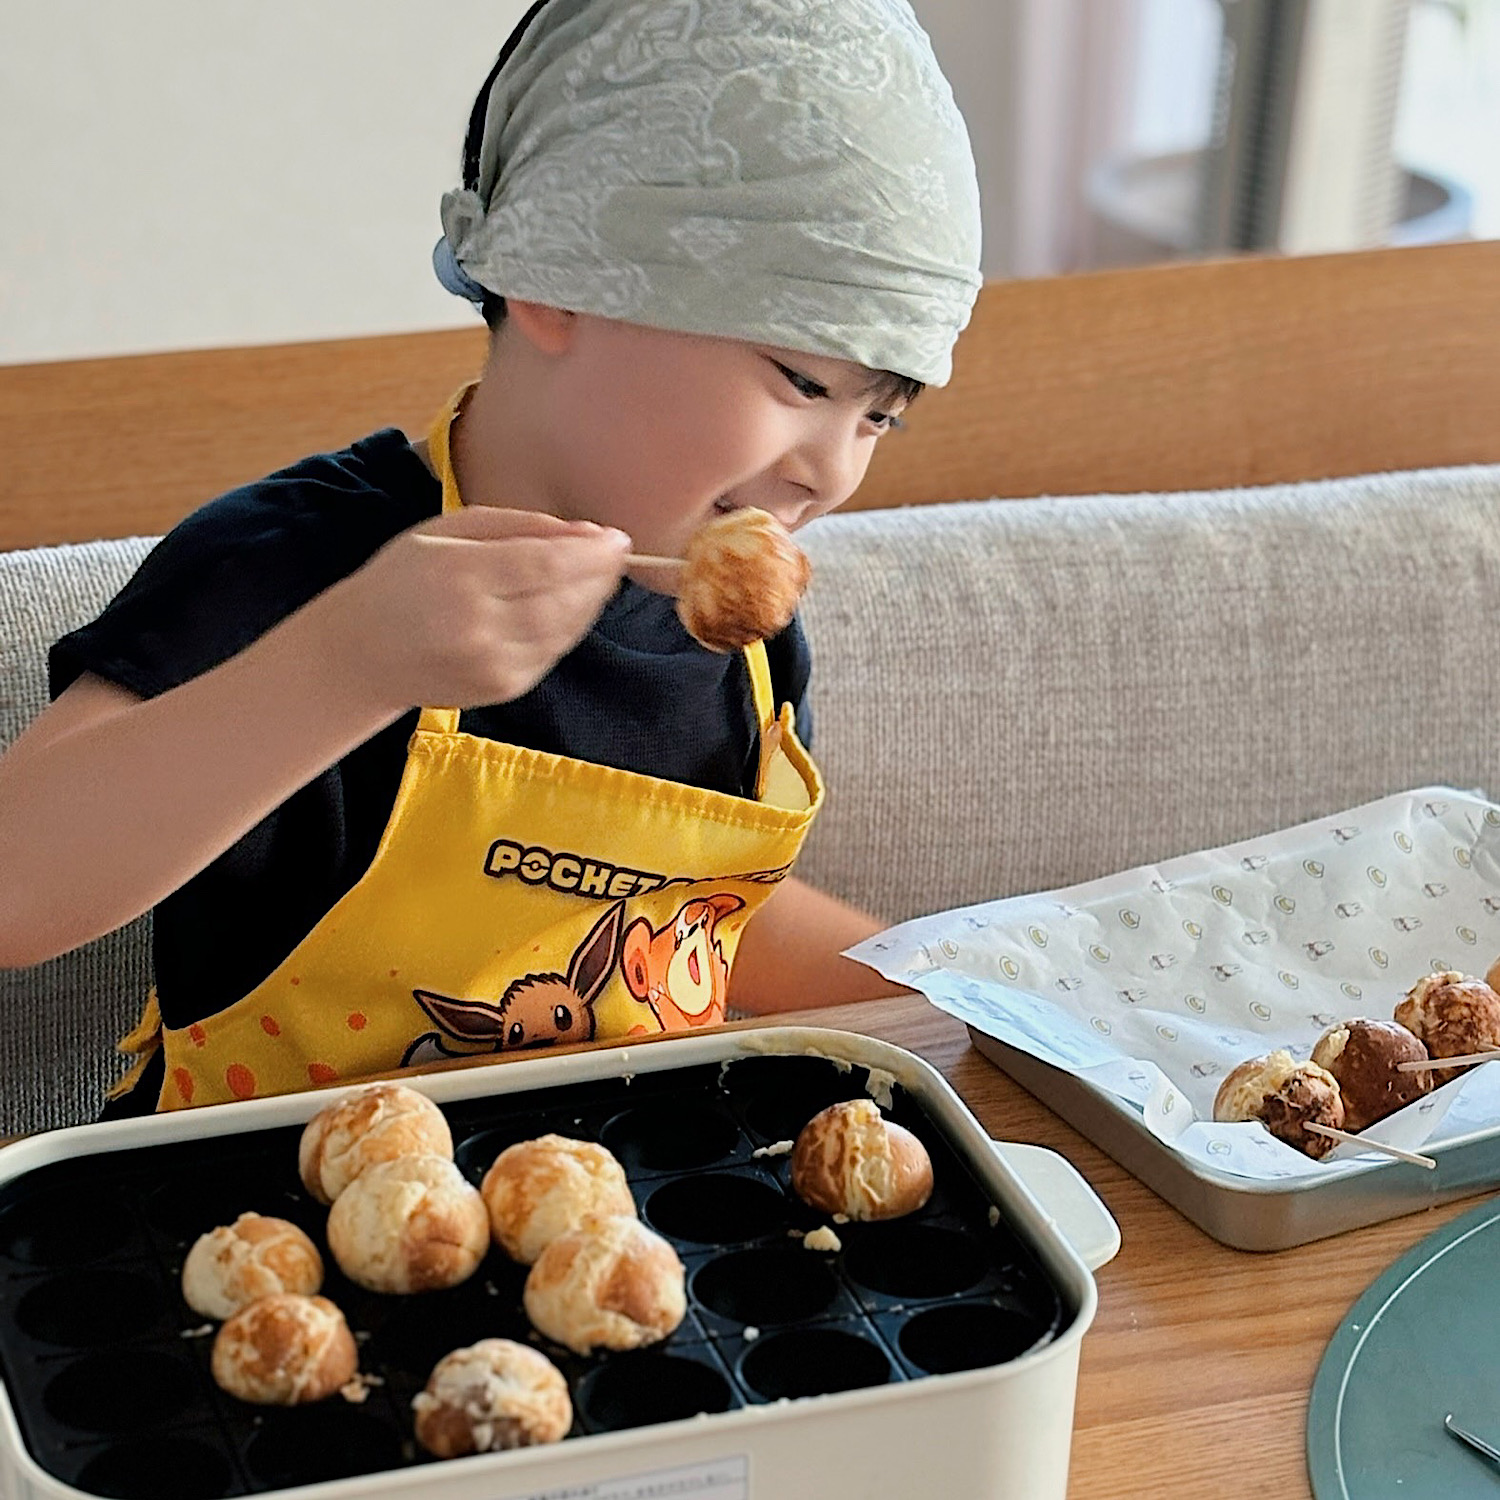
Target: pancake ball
(743, 577)
(611, 1283)
(414, 1224)
(1286, 1097)
(1365, 1057)
(284, 1350)
(849, 1159)
(372, 1125)
(496, 1394)
(229, 1267)
(537, 1190)
(1452, 1015)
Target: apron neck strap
(440, 449)
(440, 455)
(760, 685)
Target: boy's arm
(790, 954)
(109, 802)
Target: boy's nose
(792, 508)
(817, 475)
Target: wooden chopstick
(666, 571)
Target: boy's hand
(472, 607)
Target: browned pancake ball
(850, 1160)
(285, 1350)
(1452, 1014)
(372, 1125)
(539, 1189)
(496, 1394)
(229, 1267)
(415, 1224)
(1285, 1096)
(611, 1283)
(1365, 1057)
(743, 577)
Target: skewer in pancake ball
(1365, 1057)
(539, 1189)
(1452, 1014)
(495, 1394)
(284, 1350)
(1285, 1096)
(743, 577)
(414, 1224)
(375, 1124)
(610, 1283)
(849, 1159)
(256, 1256)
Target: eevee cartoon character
(536, 1010)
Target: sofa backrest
(1007, 696)
(61, 1017)
(1018, 695)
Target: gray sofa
(1008, 696)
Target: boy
(719, 246)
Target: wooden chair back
(1181, 376)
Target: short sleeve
(238, 566)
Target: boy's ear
(549, 329)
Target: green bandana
(788, 172)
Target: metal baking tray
(1240, 1211)
(795, 1374)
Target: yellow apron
(517, 899)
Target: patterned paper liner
(1153, 983)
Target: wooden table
(1196, 1373)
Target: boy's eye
(801, 383)
(883, 420)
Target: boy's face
(656, 432)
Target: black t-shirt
(637, 693)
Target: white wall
(185, 173)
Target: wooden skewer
(1427, 1064)
(663, 573)
(1358, 1140)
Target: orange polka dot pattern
(240, 1079)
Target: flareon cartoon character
(536, 1010)
(679, 970)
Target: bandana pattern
(789, 172)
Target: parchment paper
(1154, 983)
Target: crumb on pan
(777, 1148)
(822, 1238)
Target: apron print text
(570, 873)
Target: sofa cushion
(1016, 695)
(61, 1016)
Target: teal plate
(1423, 1341)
